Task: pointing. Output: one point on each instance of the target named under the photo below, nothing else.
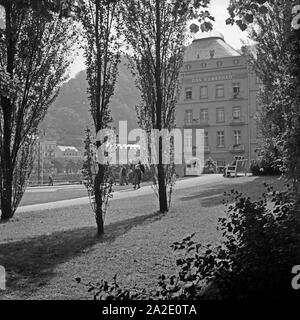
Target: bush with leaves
(264, 168)
(210, 166)
(260, 244)
(254, 259)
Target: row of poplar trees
(37, 43)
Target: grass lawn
(35, 197)
(44, 251)
(30, 198)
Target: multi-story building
(68, 152)
(48, 148)
(219, 96)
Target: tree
(46, 8)
(89, 170)
(102, 54)
(59, 165)
(156, 32)
(35, 53)
(276, 62)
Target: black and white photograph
(150, 154)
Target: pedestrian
(137, 176)
(50, 179)
(123, 176)
(142, 167)
(130, 176)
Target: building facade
(68, 152)
(218, 95)
(48, 148)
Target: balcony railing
(196, 123)
(237, 148)
(237, 121)
(237, 95)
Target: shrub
(260, 246)
(262, 167)
(254, 260)
(209, 166)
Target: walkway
(128, 193)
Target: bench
(239, 167)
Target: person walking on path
(137, 176)
(130, 176)
(123, 176)
(50, 180)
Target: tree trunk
(6, 162)
(7, 109)
(6, 196)
(162, 191)
(163, 202)
(98, 126)
(98, 199)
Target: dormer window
(219, 63)
(188, 67)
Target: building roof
(67, 148)
(209, 45)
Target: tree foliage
(48, 8)
(100, 20)
(276, 63)
(156, 56)
(35, 55)
(244, 13)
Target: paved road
(128, 193)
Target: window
(236, 89)
(236, 61)
(188, 93)
(188, 67)
(203, 65)
(220, 91)
(203, 92)
(220, 115)
(188, 116)
(236, 113)
(219, 63)
(220, 139)
(203, 115)
(188, 140)
(205, 139)
(237, 137)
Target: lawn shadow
(214, 196)
(30, 263)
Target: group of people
(134, 175)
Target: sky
(218, 8)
